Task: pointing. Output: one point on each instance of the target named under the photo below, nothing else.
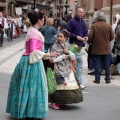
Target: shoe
(112, 78)
(108, 81)
(82, 86)
(64, 106)
(95, 81)
(55, 106)
(115, 73)
(91, 73)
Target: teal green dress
(28, 94)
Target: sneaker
(55, 106)
(82, 86)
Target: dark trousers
(48, 46)
(1, 37)
(117, 60)
(97, 65)
(9, 34)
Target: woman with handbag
(28, 92)
(68, 91)
(117, 49)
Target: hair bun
(34, 17)
(29, 15)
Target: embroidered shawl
(63, 67)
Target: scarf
(62, 68)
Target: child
(68, 91)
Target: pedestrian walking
(2, 23)
(28, 93)
(68, 90)
(48, 32)
(100, 35)
(78, 30)
(10, 30)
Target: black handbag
(118, 46)
(113, 50)
(59, 79)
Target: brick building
(3, 6)
(102, 5)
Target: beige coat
(100, 35)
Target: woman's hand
(54, 54)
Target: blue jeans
(79, 67)
(97, 65)
(48, 46)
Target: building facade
(72, 7)
(101, 5)
(52, 8)
(4, 6)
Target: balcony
(3, 4)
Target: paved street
(101, 102)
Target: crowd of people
(12, 27)
(60, 42)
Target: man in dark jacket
(78, 33)
(100, 36)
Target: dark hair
(95, 9)
(68, 17)
(35, 16)
(64, 32)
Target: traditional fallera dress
(68, 90)
(28, 93)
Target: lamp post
(34, 4)
(66, 6)
(111, 6)
(11, 3)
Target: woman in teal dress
(28, 94)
